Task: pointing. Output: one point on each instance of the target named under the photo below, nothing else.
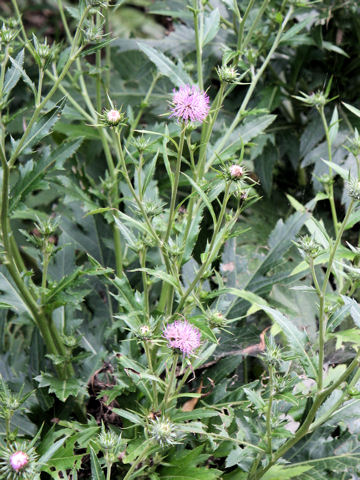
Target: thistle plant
(136, 277)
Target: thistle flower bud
(7, 34)
(354, 144)
(18, 460)
(236, 172)
(113, 117)
(216, 320)
(316, 99)
(144, 332)
(140, 143)
(108, 439)
(353, 189)
(309, 246)
(227, 74)
(163, 431)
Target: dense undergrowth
(179, 240)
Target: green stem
(154, 387)
(152, 231)
(44, 276)
(139, 460)
(213, 239)
(40, 82)
(269, 411)
(144, 104)
(239, 116)
(254, 23)
(207, 130)
(145, 283)
(305, 427)
(175, 182)
(23, 31)
(330, 186)
(241, 30)
(108, 471)
(322, 318)
(3, 68)
(171, 380)
(107, 50)
(198, 38)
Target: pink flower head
(18, 460)
(182, 336)
(113, 116)
(236, 171)
(190, 104)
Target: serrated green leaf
(176, 73)
(63, 389)
(13, 74)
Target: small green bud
(163, 431)
(309, 246)
(353, 189)
(140, 143)
(227, 74)
(353, 392)
(7, 34)
(216, 320)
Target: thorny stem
(167, 291)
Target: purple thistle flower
(183, 336)
(190, 104)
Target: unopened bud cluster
(144, 332)
(7, 34)
(316, 99)
(354, 144)
(309, 246)
(140, 143)
(216, 320)
(353, 189)
(163, 431)
(227, 74)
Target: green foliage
(111, 231)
